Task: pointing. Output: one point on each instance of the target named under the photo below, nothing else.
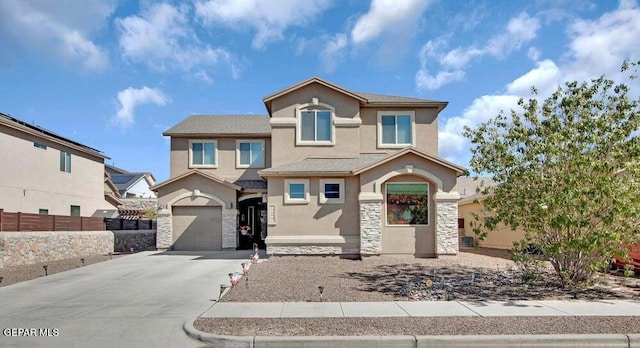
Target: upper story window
(203, 153)
(315, 124)
(65, 161)
(396, 128)
(39, 145)
(250, 153)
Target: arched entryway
(252, 222)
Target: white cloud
(131, 98)
(518, 31)
(332, 52)
(269, 18)
(533, 54)
(390, 17)
(60, 29)
(545, 78)
(161, 37)
(597, 47)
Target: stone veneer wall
(370, 223)
(139, 240)
(447, 223)
(312, 250)
(22, 248)
(229, 229)
(164, 238)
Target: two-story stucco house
(327, 171)
(46, 173)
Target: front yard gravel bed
(418, 326)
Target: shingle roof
(222, 125)
(251, 184)
(327, 164)
(383, 98)
(467, 187)
(124, 181)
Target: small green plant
(529, 268)
(629, 270)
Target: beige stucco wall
(314, 218)
(445, 175)
(501, 238)
(31, 179)
(426, 123)
(184, 191)
(346, 137)
(226, 169)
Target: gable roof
(233, 125)
(350, 165)
(441, 161)
(38, 131)
(191, 172)
(365, 99)
(125, 181)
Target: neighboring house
(130, 184)
(472, 202)
(46, 173)
(327, 171)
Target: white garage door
(197, 228)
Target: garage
(197, 228)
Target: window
(203, 153)
(407, 203)
(65, 161)
(43, 211)
(331, 191)
(296, 191)
(250, 153)
(396, 129)
(315, 126)
(75, 210)
(40, 146)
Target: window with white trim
(203, 153)
(396, 128)
(407, 203)
(296, 191)
(314, 124)
(65, 161)
(331, 191)
(250, 153)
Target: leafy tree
(567, 171)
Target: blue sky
(115, 74)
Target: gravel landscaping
(16, 274)
(483, 274)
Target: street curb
(570, 340)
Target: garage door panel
(197, 228)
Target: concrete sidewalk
(422, 309)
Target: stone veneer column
(447, 222)
(229, 229)
(370, 223)
(164, 234)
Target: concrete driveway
(139, 300)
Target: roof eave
(221, 135)
(439, 105)
(304, 173)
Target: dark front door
(252, 222)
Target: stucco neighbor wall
(34, 181)
(22, 248)
(501, 238)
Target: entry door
(251, 218)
